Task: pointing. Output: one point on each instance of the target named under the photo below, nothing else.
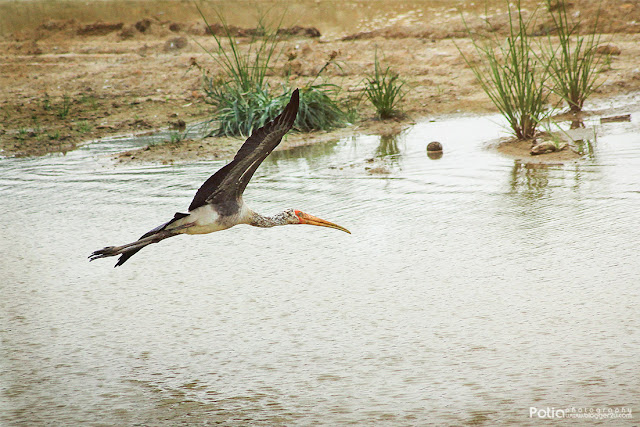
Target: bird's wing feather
(230, 181)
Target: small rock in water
(547, 147)
(434, 150)
(434, 146)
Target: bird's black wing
(229, 182)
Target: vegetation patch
(384, 89)
(575, 63)
(519, 75)
(242, 96)
(513, 75)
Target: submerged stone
(434, 150)
(434, 146)
(547, 147)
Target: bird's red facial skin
(299, 215)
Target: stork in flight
(218, 203)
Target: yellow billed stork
(218, 203)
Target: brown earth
(65, 83)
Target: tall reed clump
(384, 89)
(242, 89)
(574, 63)
(242, 96)
(512, 75)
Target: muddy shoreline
(68, 82)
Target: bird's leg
(140, 243)
(117, 250)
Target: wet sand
(67, 82)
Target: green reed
(242, 96)
(575, 63)
(512, 75)
(384, 89)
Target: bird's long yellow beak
(305, 218)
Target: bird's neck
(264, 221)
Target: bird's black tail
(127, 251)
(126, 255)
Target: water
(472, 288)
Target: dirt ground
(66, 82)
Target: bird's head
(295, 216)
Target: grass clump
(319, 108)
(241, 92)
(176, 136)
(384, 89)
(90, 100)
(46, 102)
(84, 126)
(240, 114)
(236, 110)
(575, 63)
(513, 76)
(64, 107)
(242, 71)
(242, 96)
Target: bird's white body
(205, 219)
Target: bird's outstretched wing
(228, 183)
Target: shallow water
(472, 288)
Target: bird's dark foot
(105, 252)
